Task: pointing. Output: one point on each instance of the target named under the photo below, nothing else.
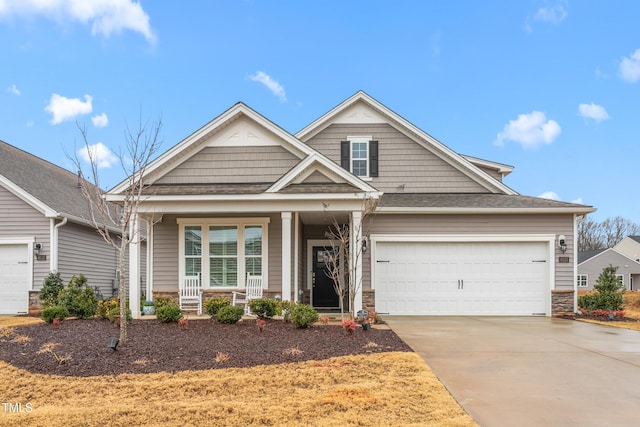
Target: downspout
(54, 244)
(577, 220)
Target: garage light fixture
(562, 243)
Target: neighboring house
(629, 246)
(241, 195)
(625, 255)
(43, 230)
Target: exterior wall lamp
(562, 243)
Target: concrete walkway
(531, 371)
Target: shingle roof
(585, 255)
(52, 185)
(204, 189)
(473, 200)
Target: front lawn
(378, 389)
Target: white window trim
(586, 280)
(365, 139)
(241, 223)
(621, 276)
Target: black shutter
(373, 159)
(345, 155)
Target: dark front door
(324, 294)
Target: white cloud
(593, 111)
(100, 120)
(553, 15)
(630, 67)
(551, 195)
(578, 201)
(64, 109)
(13, 89)
(550, 15)
(529, 130)
(100, 154)
(275, 87)
(106, 16)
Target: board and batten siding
(166, 253)
(233, 165)
(83, 251)
(19, 220)
(495, 225)
(403, 164)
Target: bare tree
(594, 235)
(346, 256)
(116, 223)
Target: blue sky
(550, 87)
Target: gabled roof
(635, 265)
(48, 188)
(427, 141)
(181, 151)
(501, 168)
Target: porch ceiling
(323, 218)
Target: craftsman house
(243, 196)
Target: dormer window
(359, 155)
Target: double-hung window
(359, 155)
(223, 250)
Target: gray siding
(19, 220)
(491, 172)
(593, 267)
(403, 164)
(165, 250)
(480, 224)
(222, 165)
(82, 250)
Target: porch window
(192, 250)
(232, 248)
(223, 255)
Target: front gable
(409, 159)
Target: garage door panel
(14, 275)
(496, 278)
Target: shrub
(116, 312)
(79, 298)
(55, 312)
(285, 308)
(212, 305)
(230, 314)
(349, 326)
(106, 306)
(168, 313)
(162, 301)
(264, 308)
(51, 288)
(608, 295)
(303, 316)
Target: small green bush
(55, 312)
(285, 308)
(80, 299)
(116, 312)
(303, 316)
(106, 306)
(230, 314)
(51, 288)
(212, 305)
(264, 308)
(168, 313)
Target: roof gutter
(54, 242)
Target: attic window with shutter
(359, 155)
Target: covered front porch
(288, 248)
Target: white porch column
(134, 267)
(356, 258)
(286, 256)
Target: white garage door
(14, 279)
(496, 278)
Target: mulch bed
(164, 347)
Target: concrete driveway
(531, 371)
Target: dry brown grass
(375, 390)
(18, 321)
